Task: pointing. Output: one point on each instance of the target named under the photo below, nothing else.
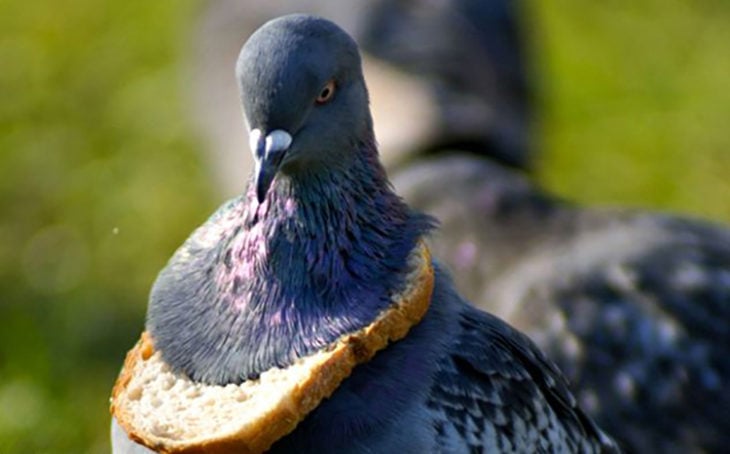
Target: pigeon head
(304, 97)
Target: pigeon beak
(268, 152)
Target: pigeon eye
(327, 92)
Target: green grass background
(101, 176)
(636, 102)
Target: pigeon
(312, 250)
(470, 56)
(633, 306)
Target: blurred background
(109, 157)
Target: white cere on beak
(277, 140)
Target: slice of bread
(168, 412)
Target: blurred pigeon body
(634, 307)
(470, 54)
(314, 249)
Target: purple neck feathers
(267, 283)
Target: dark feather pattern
(496, 392)
(633, 306)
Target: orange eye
(328, 91)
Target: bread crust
(337, 363)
